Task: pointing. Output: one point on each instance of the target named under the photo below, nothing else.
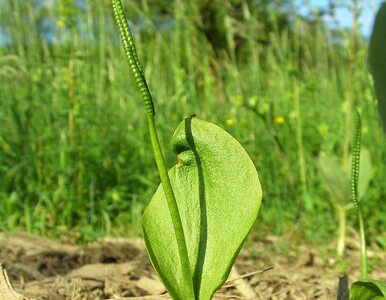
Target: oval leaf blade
(218, 194)
(335, 179)
(377, 61)
(368, 290)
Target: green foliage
(73, 135)
(364, 289)
(336, 181)
(193, 255)
(218, 195)
(139, 76)
(355, 165)
(377, 61)
(368, 290)
(222, 23)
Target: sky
(343, 14)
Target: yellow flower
(252, 101)
(60, 23)
(229, 122)
(279, 120)
(115, 195)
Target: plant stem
(363, 246)
(356, 155)
(299, 133)
(299, 140)
(134, 64)
(342, 229)
(350, 91)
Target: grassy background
(75, 157)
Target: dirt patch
(117, 268)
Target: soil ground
(119, 269)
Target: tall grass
(73, 136)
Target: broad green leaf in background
(337, 182)
(377, 61)
(218, 194)
(368, 290)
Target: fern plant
(364, 289)
(195, 224)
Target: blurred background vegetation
(74, 149)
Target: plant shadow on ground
(114, 267)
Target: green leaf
(218, 194)
(368, 289)
(335, 179)
(337, 182)
(377, 61)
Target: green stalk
(342, 229)
(350, 88)
(363, 246)
(299, 133)
(354, 185)
(135, 67)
